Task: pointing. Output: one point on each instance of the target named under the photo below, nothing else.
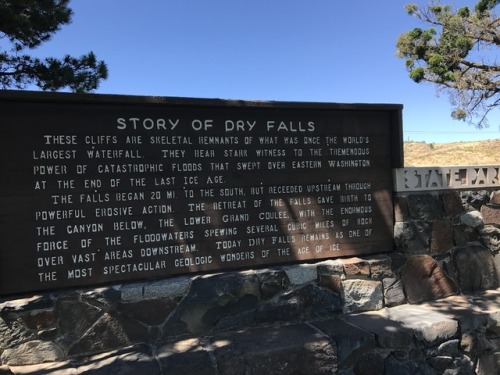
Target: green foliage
(464, 12)
(484, 5)
(411, 8)
(459, 114)
(417, 74)
(28, 23)
(458, 55)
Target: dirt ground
(460, 153)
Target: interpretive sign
(98, 188)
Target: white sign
(442, 178)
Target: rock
(38, 319)
(393, 292)
(152, 312)
(495, 198)
(461, 366)
(475, 268)
(272, 282)
(75, 318)
(441, 363)
(173, 288)
(395, 367)
(21, 319)
(495, 343)
(330, 267)
(185, 357)
(32, 352)
(450, 348)
(472, 219)
(354, 267)
(132, 292)
(138, 359)
(109, 332)
(301, 273)
(430, 326)
(452, 203)
(491, 214)
(413, 237)
(21, 305)
(388, 333)
(350, 340)
(425, 207)
(398, 260)
(496, 261)
(303, 303)
(489, 236)
(5, 370)
(212, 298)
(475, 343)
(380, 267)
(469, 316)
(362, 295)
(292, 349)
(487, 365)
(370, 364)
(332, 282)
(475, 199)
(330, 275)
(106, 298)
(489, 303)
(441, 237)
(424, 280)
(52, 368)
(13, 333)
(463, 233)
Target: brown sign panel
(98, 189)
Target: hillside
(420, 154)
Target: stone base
(403, 339)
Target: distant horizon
(479, 140)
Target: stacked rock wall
(429, 307)
(455, 235)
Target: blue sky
(291, 50)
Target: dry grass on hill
(421, 154)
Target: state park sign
(99, 189)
